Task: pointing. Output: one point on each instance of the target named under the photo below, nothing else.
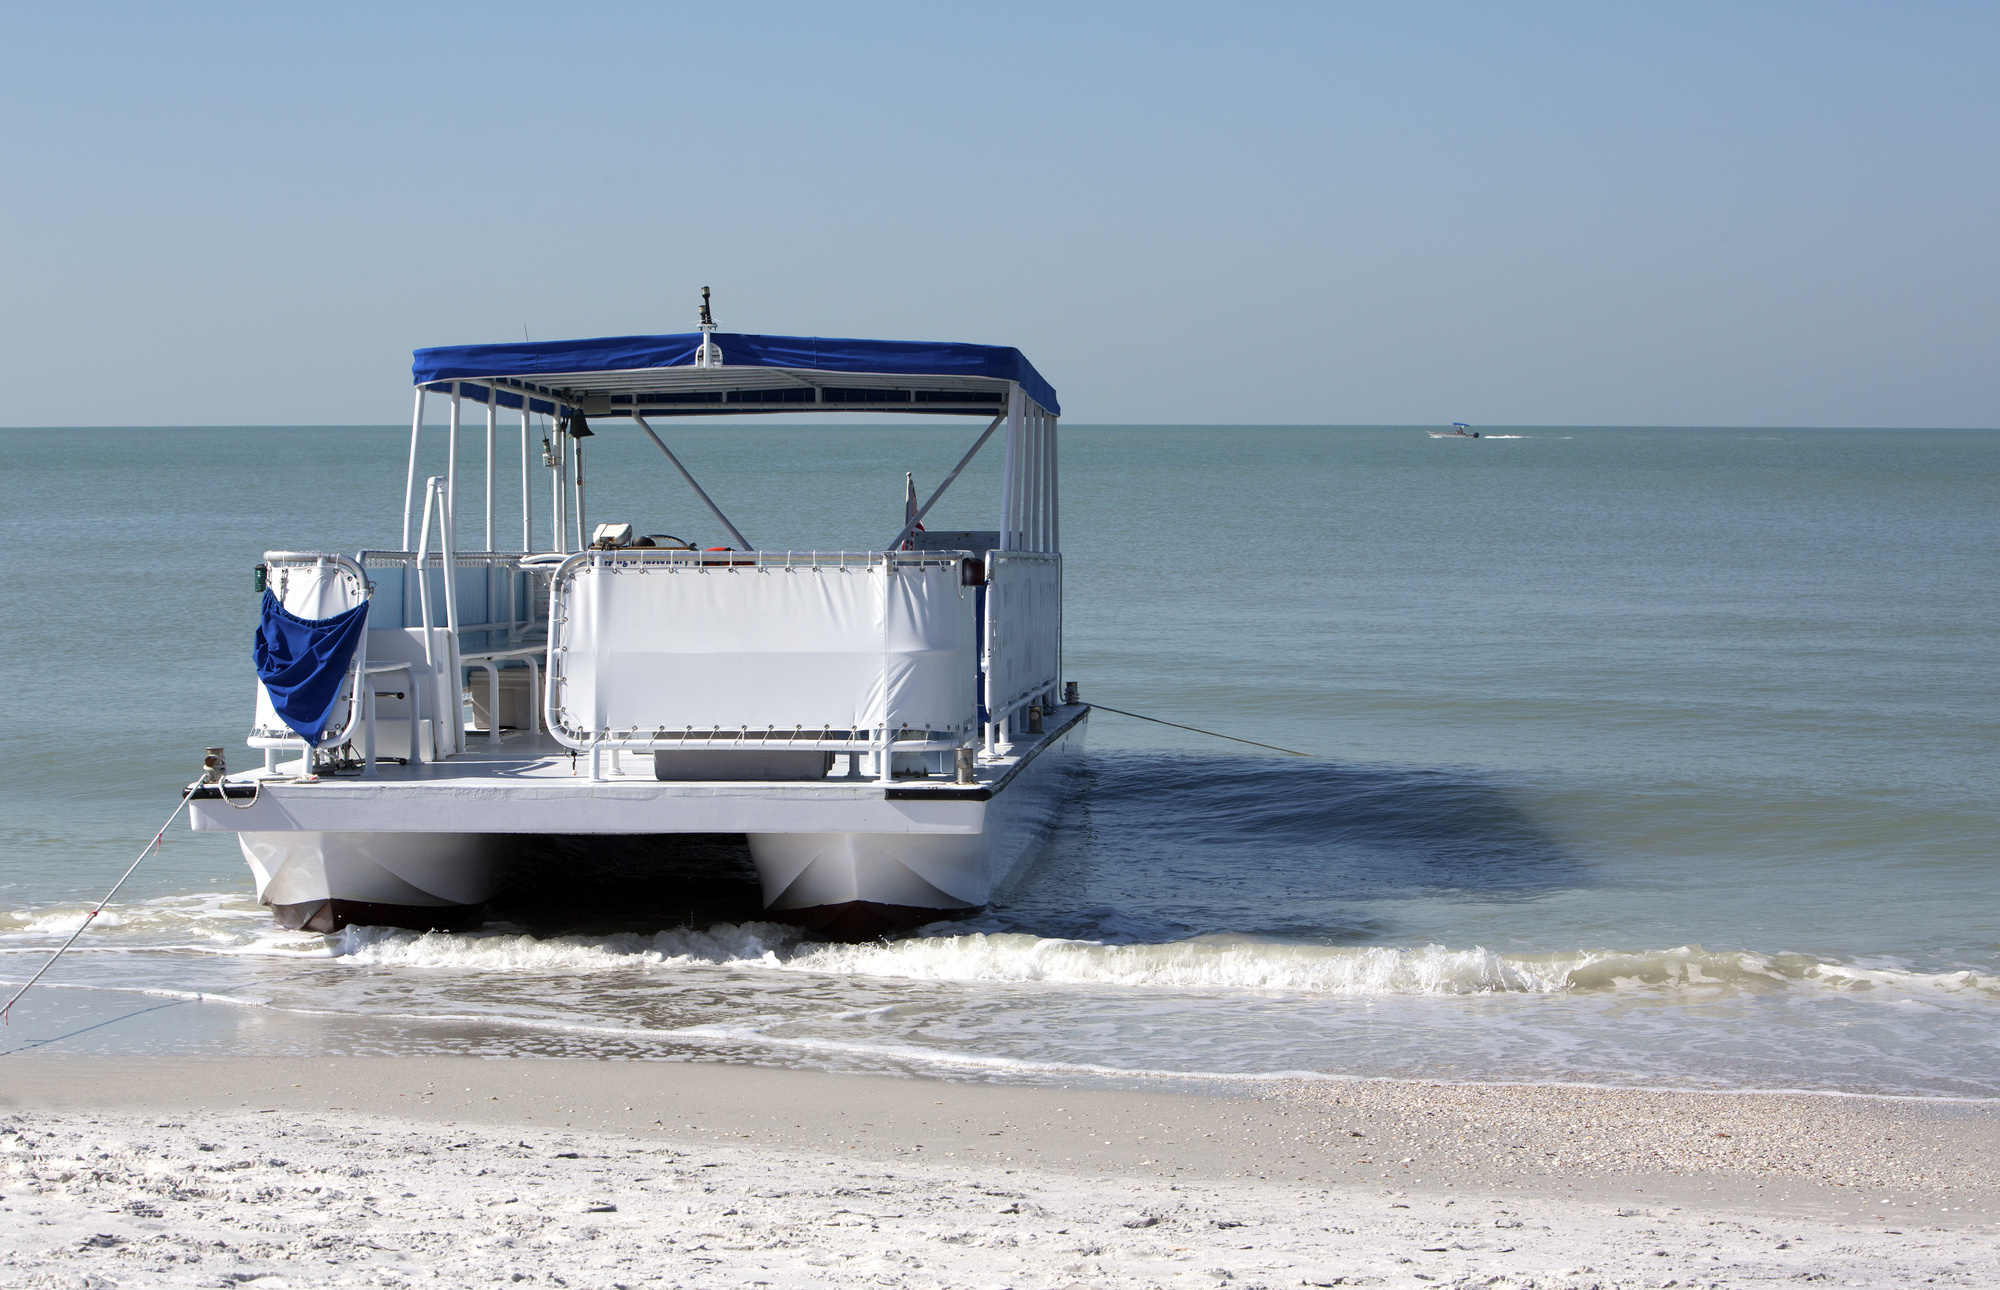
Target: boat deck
(530, 783)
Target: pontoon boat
(885, 726)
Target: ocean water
(1640, 756)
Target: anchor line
(1198, 730)
(6, 1018)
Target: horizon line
(709, 422)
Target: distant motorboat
(1459, 430)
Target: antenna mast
(709, 354)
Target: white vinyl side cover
(675, 647)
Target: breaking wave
(211, 916)
(1215, 962)
(1201, 963)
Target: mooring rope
(187, 795)
(1198, 730)
(256, 793)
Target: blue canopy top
(617, 366)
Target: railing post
(886, 768)
(990, 652)
(492, 445)
(418, 751)
(368, 727)
(492, 702)
(363, 701)
(422, 556)
(448, 545)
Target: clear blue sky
(1588, 213)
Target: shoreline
(1803, 1151)
(482, 1168)
(220, 1025)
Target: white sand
(241, 1173)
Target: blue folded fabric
(302, 662)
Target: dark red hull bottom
(856, 920)
(861, 920)
(332, 915)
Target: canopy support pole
(558, 522)
(576, 486)
(410, 483)
(451, 472)
(1055, 492)
(492, 586)
(1055, 543)
(911, 526)
(1036, 478)
(1010, 473)
(742, 543)
(492, 429)
(527, 509)
(1041, 480)
(1049, 483)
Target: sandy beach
(930, 647)
(392, 1171)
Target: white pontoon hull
(321, 881)
(854, 881)
(846, 859)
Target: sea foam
(1203, 963)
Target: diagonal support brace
(963, 462)
(742, 543)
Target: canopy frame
(715, 374)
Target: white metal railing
(368, 711)
(1023, 646)
(490, 661)
(766, 560)
(839, 651)
(1020, 652)
(509, 596)
(508, 621)
(442, 663)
